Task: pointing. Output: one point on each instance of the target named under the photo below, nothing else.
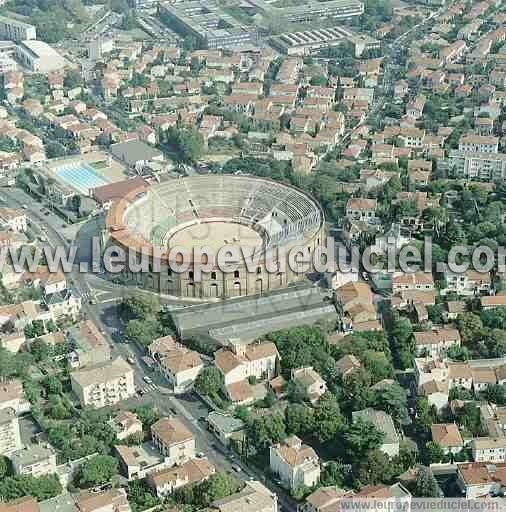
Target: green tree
(426, 485)
(432, 453)
(5, 467)
(392, 399)
(98, 470)
(140, 496)
(148, 414)
(328, 419)
(374, 468)
(378, 365)
(35, 329)
(266, 430)
(143, 331)
(55, 150)
(209, 381)
(334, 474)
(299, 419)
(140, 306)
(42, 488)
(217, 486)
(361, 437)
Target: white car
(147, 380)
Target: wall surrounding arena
(216, 283)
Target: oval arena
(213, 211)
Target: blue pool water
(80, 176)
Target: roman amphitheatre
(214, 210)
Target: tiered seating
(242, 198)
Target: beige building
(311, 381)
(296, 463)
(104, 384)
(12, 396)
(173, 440)
(10, 437)
(489, 449)
(90, 346)
(36, 460)
(325, 499)
(436, 342)
(166, 481)
(181, 367)
(114, 500)
(447, 435)
(125, 424)
(254, 497)
(478, 143)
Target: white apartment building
(36, 460)
(10, 437)
(296, 463)
(104, 384)
(173, 440)
(243, 361)
(489, 449)
(468, 283)
(14, 30)
(359, 208)
(478, 143)
(39, 57)
(480, 166)
(181, 367)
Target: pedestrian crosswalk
(148, 388)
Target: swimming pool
(80, 176)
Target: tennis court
(80, 176)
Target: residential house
(480, 479)
(436, 342)
(384, 423)
(181, 367)
(225, 427)
(12, 396)
(295, 463)
(126, 424)
(324, 499)
(35, 460)
(89, 345)
(468, 283)
(447, 435)
(113, 500)
(173, 440)
(310, 381)
(166, 481)
(478, 143)
(358, 208)
(254, 497)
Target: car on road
(236, 468)
(131, 360)
(147, 380)
(140, 392)
(200, 455)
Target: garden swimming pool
(81, 177)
